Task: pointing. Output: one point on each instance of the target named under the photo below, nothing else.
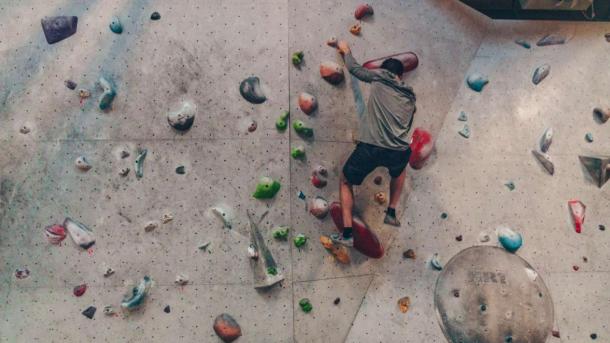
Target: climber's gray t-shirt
(389, 113)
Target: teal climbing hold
(463, 116)
(523, 43)
(266, 188)
(589, 137)
(140, 163)
(116, 26)
(108, 95)
(465, 131)
(138, 294)
(476, 82)
(301, 129)
(509, 239)
(510, 185)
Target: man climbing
(382, 141)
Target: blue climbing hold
(510, 240)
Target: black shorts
(367, 157)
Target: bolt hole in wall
(192, 155)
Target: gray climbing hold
(523, 43)
(476, 82)
(546, 140)
(224, 215)
(80, 234)
(541, 73)
(183, 119)
(108, 95)
(250, 89)
(552, 39)
(24, 130)
(58, 28)
(140, 163)
(545, 160)
(465, 131)
(463, 116)
(602, 115)
(82, 163)
(89, 312)
(115, 25)
(589, 137)
(510, 185)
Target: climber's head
(394, 66)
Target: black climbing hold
(89, 312)
(483, 308)
(456, 293)
(180, 170)
(508, 339)
(166, 309)
(58, 28)
(602, 227)
(444, 215)
(155, 16)
(593, 336)
(459, 238)
(337, 301)
(70, 84)
(250, 89)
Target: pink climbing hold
(363, 10)
(421, 148)
(577, 209)
(409, 61)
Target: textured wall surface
(200, 52)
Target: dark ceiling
(575, 10)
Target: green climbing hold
(266, 188)
(140, 163)
(116, 26)
(108, 94)
(589, 137)
(282, 122)
(298, 152)
(272, 271)
(297, 58)
(305, 305)
(300, 240)
(301, 129)
(281, 232)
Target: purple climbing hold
(552, 39)
(58, 28)
(22, 273)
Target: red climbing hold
(409, 61)
(363, 10)
(79, 290)
(577, 209)
(421, 148)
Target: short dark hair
(394, 66)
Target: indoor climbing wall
(153, 122)
(470, 180)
